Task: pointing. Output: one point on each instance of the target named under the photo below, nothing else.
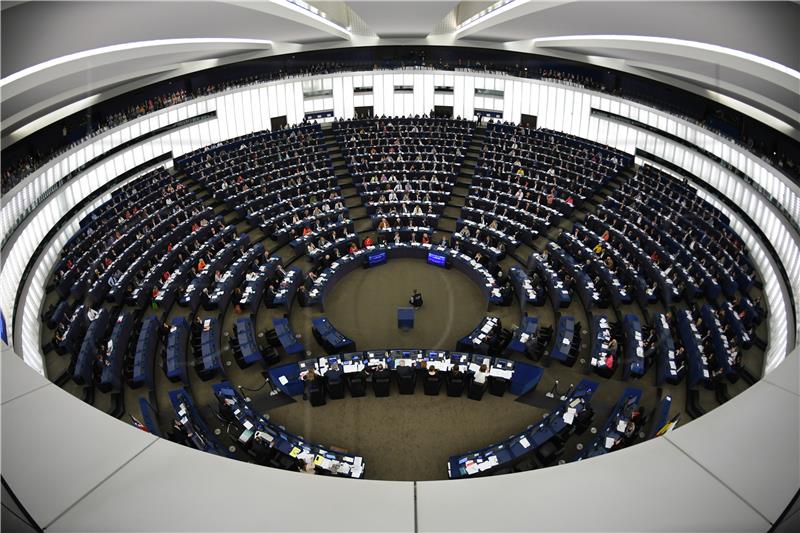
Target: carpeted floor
(408, 437)
(453, 306)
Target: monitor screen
(437, 259)
(376, 258)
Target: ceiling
(59, 53)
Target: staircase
(452, 211)
(357, 212)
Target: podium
(405, 317)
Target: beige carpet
(408, 437)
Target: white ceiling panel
(402, 19)
(34, 32)
(766, 29)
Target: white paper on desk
(566, 341)
(569, 416)
(473, 367)
(525, 443)
(493, 460)
(305, 455)
(471, 468)
(523, 338)
(282, 380)
(500, 373)
(672, 365)
(609, 442)
(247, 424)
(485, 465)
(622, 426)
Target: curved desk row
(618, 429)
(519, 377)
(258, 435)
(572, 415)
(434, 254)
(329, 337)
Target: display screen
(376, 259)
(437, 259)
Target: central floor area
(453, 305)
(409, 437)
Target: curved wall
(743, 466)
(557, 106)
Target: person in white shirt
(480, 375)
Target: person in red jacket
(368, 242)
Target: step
(353, 201)
(457, 201)
(447, 224)
(452, 211)
(363, 225)
(357, 212)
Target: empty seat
(316, 393)
(381, 385)
(357, 383)
(497, 386)
(548, 453)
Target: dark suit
(406, 379)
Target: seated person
(416, 299)
(480, 375)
